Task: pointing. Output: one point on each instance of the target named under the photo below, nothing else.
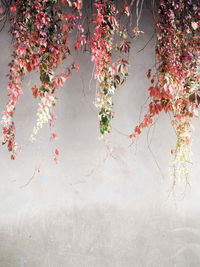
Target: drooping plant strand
(175, 84)
(56, 50)
(109, 74)
(40, 32)
(18, 68)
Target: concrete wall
(94, 209)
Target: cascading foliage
(175, 84)
(42, 32)
(109, 74)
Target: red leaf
(149, 73)
(35, 91)
(13, 157)
(55, 137)
(132, 136)
(29, 67)
(151, 89)
(137, 130)
(13, 8)
(127, 9)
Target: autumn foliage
(42, 30)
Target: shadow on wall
(102, 237)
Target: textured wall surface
(94, 209)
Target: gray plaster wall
(94, 209)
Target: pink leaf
(55, 137)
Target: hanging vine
(175, 84)
(109, 74)
(41, 31)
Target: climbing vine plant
(42, 32)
